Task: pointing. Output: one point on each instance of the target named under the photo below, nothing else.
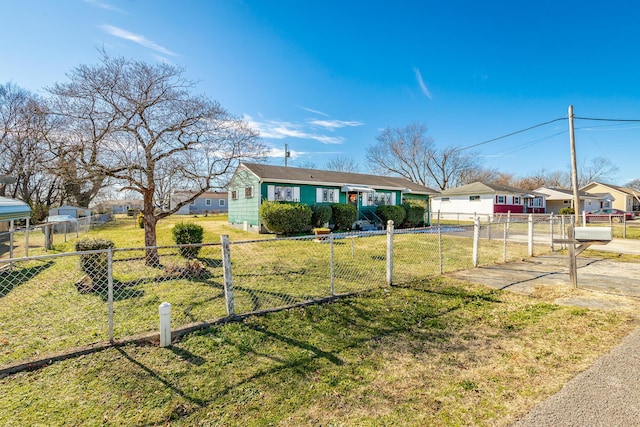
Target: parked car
(604, 215)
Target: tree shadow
(11, 278)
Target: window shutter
(271, 193)
(336, 195)
(296, 194)
(318, 195)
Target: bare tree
(597, 169)
(24, 126)
(136, 123)
(449, 167)
(342, 163)
(404, 152)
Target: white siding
(462, 205)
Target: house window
(566, 202)
(537, 202)
(193, 203)
(327, 195)
(222, 202)
(207, 202)
(248, 192)
(474, 198)
(234, 194)
(444, 199)
(501, 200)
(516, 200)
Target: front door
(352, 199)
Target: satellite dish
(5, 179)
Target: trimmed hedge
(414, 211)
(343, 216)
(389, 212)
(321, 214)
(185, 233)
(285, 218)
(95, 265)
(566, 211)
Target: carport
(10, 211)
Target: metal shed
(11, 209)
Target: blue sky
(325, 77)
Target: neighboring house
(478, 198)
(11, 210)
(73, 211)
(118, 206)
(207, 202)
(558, 198)
(253, 183)
(625, 199)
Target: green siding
(244, 208)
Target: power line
(607, 120)
(511, 134)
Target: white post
(389, 252)
(227, 277)
(440, 245)
(476, 239)
(584, 218)
(332, 263)
(165, 324)
(11, 238)
(530, 235)
(551, 231)
(504, 250)
(26, 239)
(110, 291)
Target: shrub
(394, 213)
(285, 218)
(95, 265)
(414, 213)
(321, 214)
(185, 233)
(130, 212)
(566, 211)
(343, 216)
(140, 220)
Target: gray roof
(281, 174)
(482, 188)
(13, 209)
(568, 193)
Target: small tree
(186, 234)
(414, 210)
(285, 218)
(343, 216)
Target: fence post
(226, 268)
(332, 263)
(530, 235)
(440, 244)
(488, 227)
(624, 226)
(26, 239)
(504, 244)
(110, 291)
(165, 324)
(476, 239)
(551, 231)
(389, 252)
(563, 234)
(11, 224)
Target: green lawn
(434, 352)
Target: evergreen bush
(343, 216)
(321, 214)
(285, 218)
(414, 213)
(566, 211)
(186, 233)
(389, 212)
(95, 265)
(140, 220)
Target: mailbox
(593, 234)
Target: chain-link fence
(22, 239)
(53, 303)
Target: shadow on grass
(11, 278)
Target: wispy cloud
(106, 6)
(423, 86)
(277, 129)
(334, 124)
(315, 111)
(136, 38)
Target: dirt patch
(602, 283)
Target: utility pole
(286, 154)
(574, 168)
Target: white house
(207, 202)
(483, 199)
(73, 211)
(558, 198)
